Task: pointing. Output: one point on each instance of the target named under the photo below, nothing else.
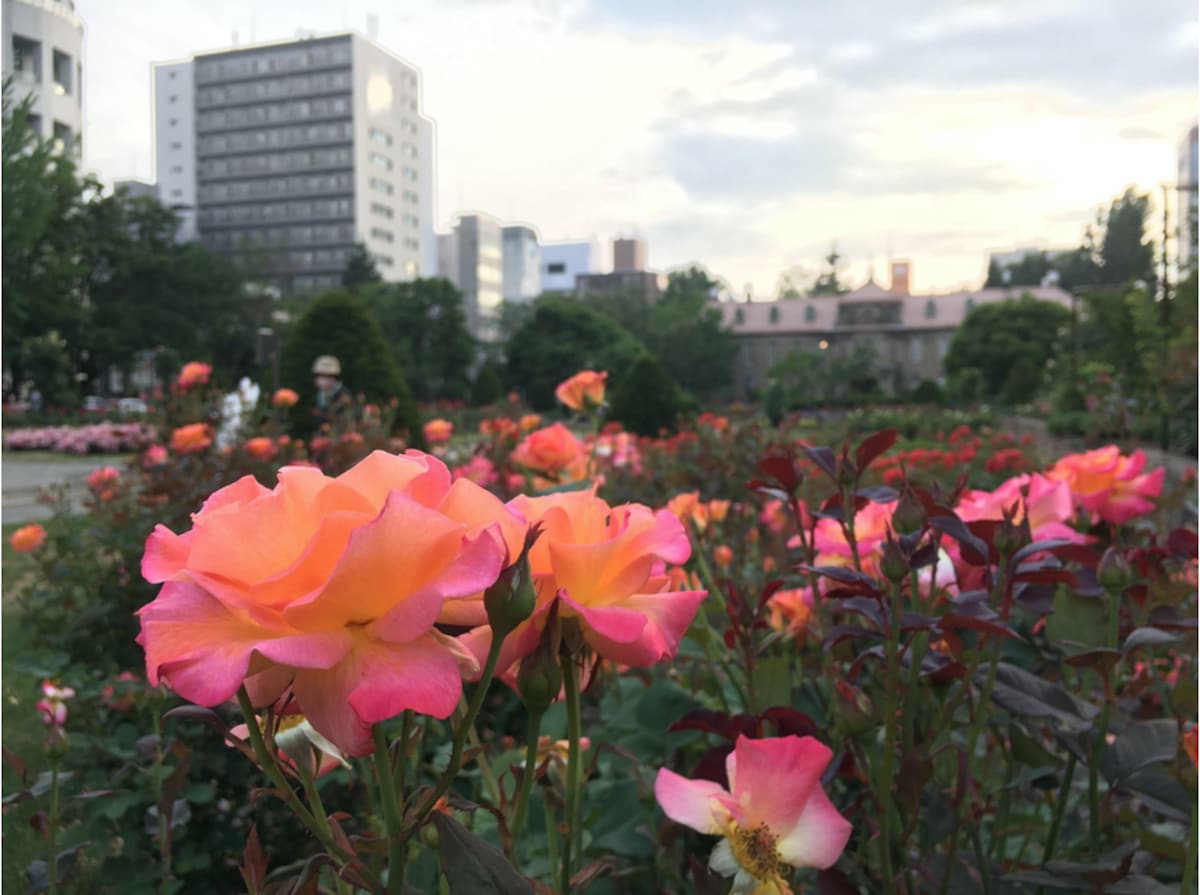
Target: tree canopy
(1007, 339)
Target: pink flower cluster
(108, 438)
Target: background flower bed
(76, 609)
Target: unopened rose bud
(1113, 572)
(893, 564)
(909, 515)
(539, 679)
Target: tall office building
(281, 156)
(629, 255)
(563, 262)
(472, 258)
(1188, 178)
(43, 53)
(522, 263)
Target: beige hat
(327, 365)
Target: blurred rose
(582, 391)
(27, 538)
(192, 438)
(284, 397)
(192, 374)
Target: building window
(970, 304)
(914, 348)
(27, 58)
(177, 146)
(62, 135)
(173, 97)
(930, 309)
(172, 75)
(381, 186)
(384, 260)
(62, 73)
(176, 193)
(739, 316)
(774, 315)
(382, 210)
(380, 233)
(410, 173)
(382, 137)
(35, 124)
(558, 267)
(177, 169)
(380, 161)
(810, 314)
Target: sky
(746, 138)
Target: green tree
(337, 323)
(1126, 253)
(995, 337)
(829, 282)
(646, 399)
(487, 388)
(44, 227)
(425, 324)
(360, 269)
(560, 337)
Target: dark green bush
(646, 400)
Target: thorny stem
(52, 864)
(271, 767)
(397, 847)
(884, 781)
(574, 773)
(531, 752)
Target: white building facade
(562, 262)
(43, 52)
(522, 263)
(471, 257)
(282, 156)
(1188, 177)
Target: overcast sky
(743, 137)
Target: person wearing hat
(332, 396)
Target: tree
(560, 337)
(43, 269)
(425, 324)
(1126, 254)
(646, 399)
(360, 269)
(996, 337)
(337, 323)
(829, 282)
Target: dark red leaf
(873, 446)
(824, 458)
(781, 469)
(789, 722)
(974, 550)
(1182, 542)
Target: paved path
(24, 481)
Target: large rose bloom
(1108, 485)
(605, 565)
(329, 585)
(191, 438)
(1046, 504)
(584, 389)
(550, 450)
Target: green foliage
(646, 400)
(996, 337)
(560, 337)
(928, 392)
(1126, 254)
(339, 324)
(360, 269)
(827, 378)
(426, 326)
(487, 388)
(45, 360)
(829, 282)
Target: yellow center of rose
(755, 850)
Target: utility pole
(1164, 316)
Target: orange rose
(529, 422)
(329, 587)
(193, 373)
(438, 431)
(550, 450)
(260, 448)
(27, 538)
(722, 556)
(583, 390)
(688, 508)
(189, 439)
(284, 397)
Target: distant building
(909, 334)
(562, 262)
(282, 156)
(471, 257)
(1188, 181)
(137, 189)
(642, 282)
(629, 255)
(522, 262)
(43, 53)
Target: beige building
(909, 334)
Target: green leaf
(1138, 746)
(772, 682)
(473, 865)
(1150, 637)
(1078, 621)
(1028, 696)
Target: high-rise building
(629, 255)
(472, 258)
(43, 53)
(562, 262)
(522, 263)
(282, 156)
(1188, 178)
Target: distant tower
(901, 272)
(629, 255)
